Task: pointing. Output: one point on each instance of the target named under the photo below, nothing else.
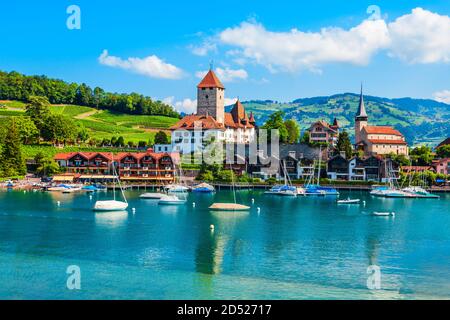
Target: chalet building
(321, 131)
(297, 159)
(442, 166)
(372, 168)
(188, 134)
(130, 166)
(376, 139)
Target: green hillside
(102, 123)
(421, 121)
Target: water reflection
(111, 218)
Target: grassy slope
(103, 123)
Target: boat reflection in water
(111, 218)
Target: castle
(376, 139)
(229, 127)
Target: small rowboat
(348, 201)
(228, 207)
(383, 214)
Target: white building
(211, 122)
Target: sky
(277, 50)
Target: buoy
(90, 196)
(193, 204)
(24, 191)
(258, 209)
(58, 203)
(253, 200)
(364, 203)
(211, 227)
(133, 210)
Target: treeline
(16, 86)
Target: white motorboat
(284, 190)
(171, 200)
(348, 201)
(110, 205)
(152, 195)
(383, 214)
(176, 188)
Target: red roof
(206, 122)
(210, 81)
(382, 130)
(252, 118)
(119, 156)
(444, 143)
(386, 141)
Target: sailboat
(175, 197)
(226, 206)
(391, 191)
(284, 190)
(312, 189)
(419, 191)
(112, 205)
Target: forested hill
(16, 86)
(420, 120)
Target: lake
(294, 248)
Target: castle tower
(211, 97)
(360, 118)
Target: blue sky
(161, 48)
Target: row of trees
(16, 86)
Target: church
(375, 140)
(211, 122)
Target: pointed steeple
(361, 114)
(210, 81)
(252, 118)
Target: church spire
(361, 108)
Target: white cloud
(421, 37)
(187, 105)
(418, 37)
(150, 66)
(204, 49)
(226, 74)
(294, 50)
(230, 101)
(442, 96)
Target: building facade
(211, 122)
(129, 166)
(321, 131)
(375, 140)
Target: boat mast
(318, 171)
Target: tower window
(206, 96)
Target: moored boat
(348, 201)
(110, 205)
(203, 188)
(171, 200)
(228, 207)
(383, 214)
(152, 195)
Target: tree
(443, 151)
(305, 138)
(421, 155)
(12, 162)
(45, 166)
(59, 128)
(120, 142)
(161, 138)
(293, 130)
(38, 110)
(344, 145)
(28, 131)
(275, 122)
(82, 134)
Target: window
(206, 97)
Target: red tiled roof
(119, 156)
(386, 141)
(415, 168)
(382, 130)
(210, 81)
(325, 125)
(444, 143)
(207, 122)
(252, 118)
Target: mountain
(422, 121)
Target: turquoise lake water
(294, 248)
